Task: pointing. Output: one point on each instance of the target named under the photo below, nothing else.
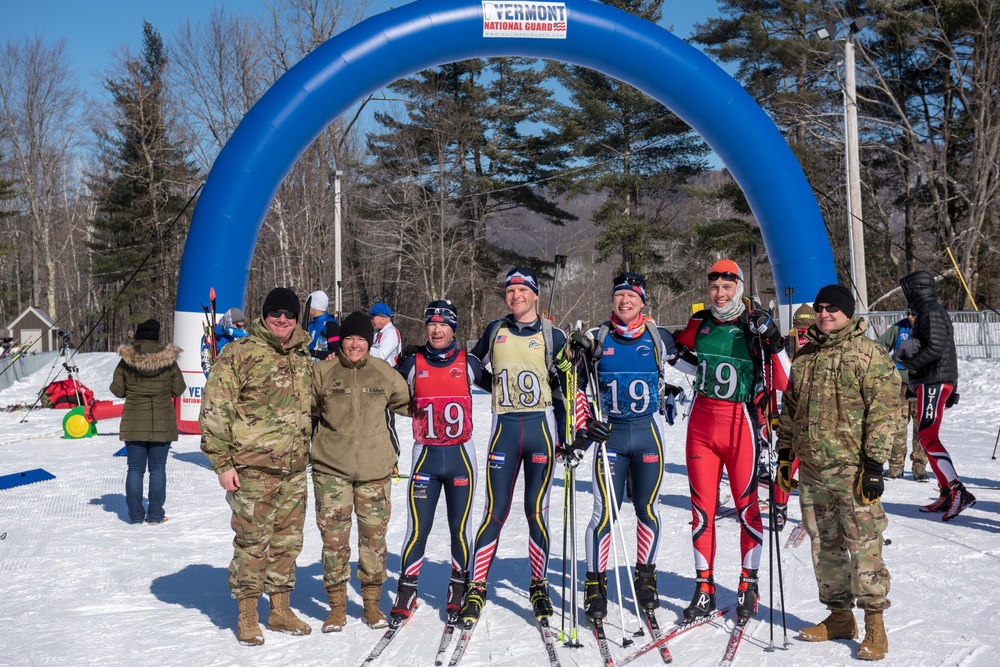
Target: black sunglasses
(629, 280)
(287, 314)
(725, 275)
(830, 308)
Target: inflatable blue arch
(429, 33)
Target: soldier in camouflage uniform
(839, 417)
(353, 458)
(255, 426)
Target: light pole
(856, 232)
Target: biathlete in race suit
(629, 356)
(440, 377)
(528, 419)
(725, 427)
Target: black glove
(598, 431)
(870, 484)
(764, 325)
(784, 474)
(669, 399)
(582, 343)
(572, 455)
(906, 350)
(952, 400)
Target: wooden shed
(34, 327)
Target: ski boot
(645, 586)
(960, 499)
(746, 595)
(941, 504)
(539, 595)
(406, 599)
(475, 600)
(703, 602)
(457, 586)
(595, 599)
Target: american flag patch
(609, 352)
(706, 330)
(423, 374)
(501, 339)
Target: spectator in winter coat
(149, 380)
(838, 418)
(316, 304)
(255, 424)
(387, 344)
(352, 459)
(932, 362)
(231, 326)
(891, 339)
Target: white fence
(977, 333)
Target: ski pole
(995, 445)
(769, 370)
(574, 615)
(566, 477)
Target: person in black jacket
(932, 362)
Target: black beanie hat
(357, 324)
(148, 330)
(281, 298)
(837, 295)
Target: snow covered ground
(80, 586)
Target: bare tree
(40, 116)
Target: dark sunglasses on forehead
(630, 280)
(287, 314)
(830, 308)
(440, 312)
(725, 275)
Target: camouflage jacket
(350, 400)
(843, 402)
(255, 409)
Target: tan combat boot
(337, 619)
(283, 619)
(247, 624)
(371, 594)
(875, 644)
(840, 624)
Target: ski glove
(906, 350)
(669, 400)
(764, 325)
(784, 475)
(571, 455)
(598, 431)
(584, 343)
(870, 484)
(952, 400)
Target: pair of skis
(660, 638)
(548, 637)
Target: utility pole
(338, 299)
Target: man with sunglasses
(839, 416)
(256, 427)
(932, 362)
(440, 376)
(891, 339)
(740, 352)
(528, 409)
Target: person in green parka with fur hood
(149, 379)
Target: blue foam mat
(26, 477)
(120, 452)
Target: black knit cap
(837, 295)
(281, 298)
(357, 324)
(148, 330)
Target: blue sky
(94, 29)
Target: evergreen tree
(457, 161)
(143, 181)
(634, 150)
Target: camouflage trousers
(269, 513)
(846, 540)
(336, 499)
(898, 455)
